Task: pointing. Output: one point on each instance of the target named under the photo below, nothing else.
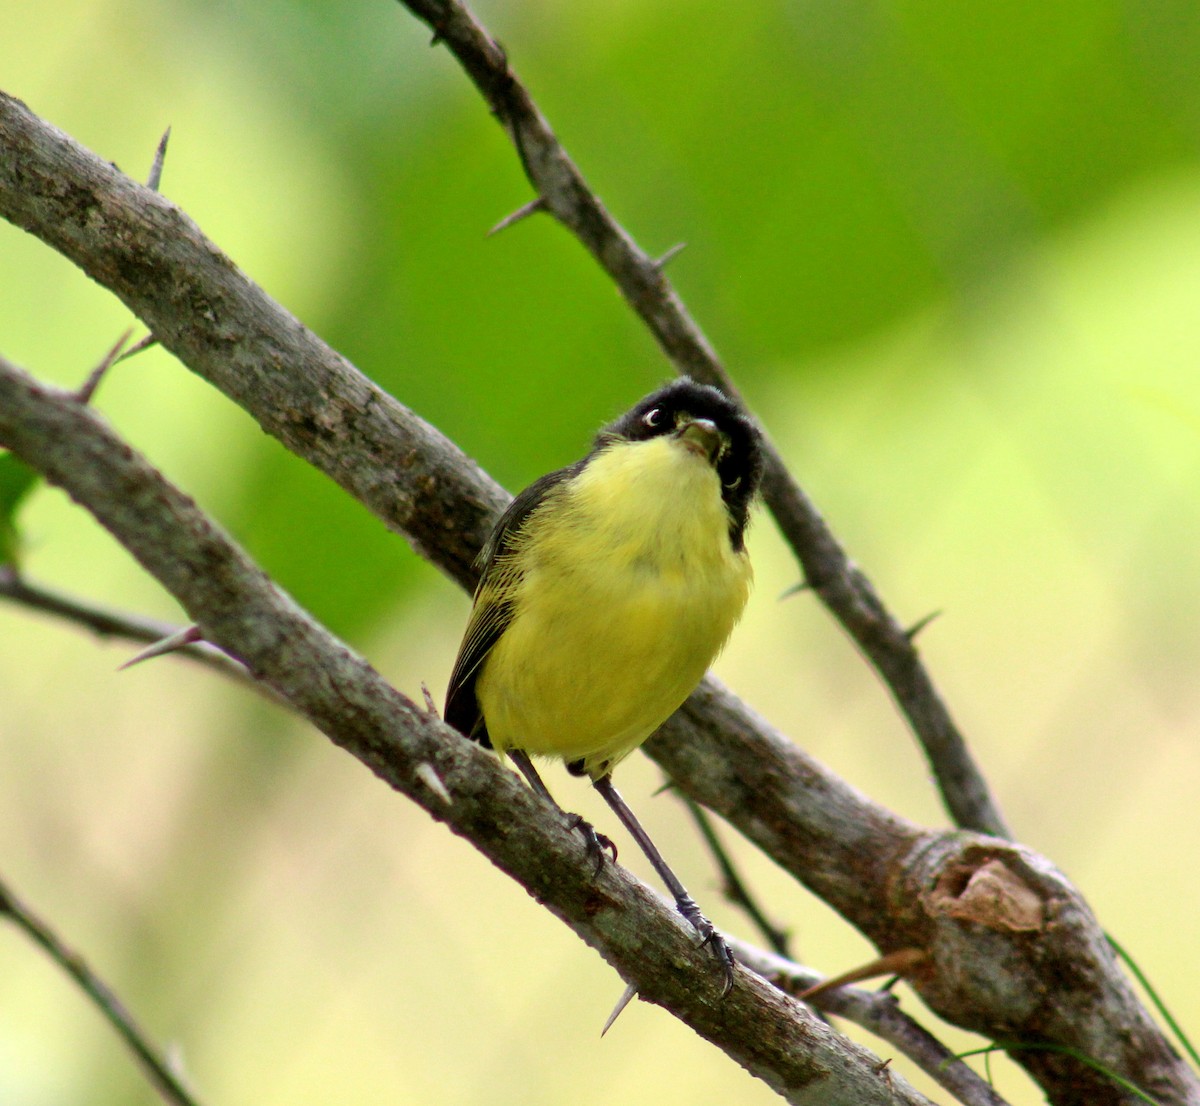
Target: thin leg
(596, 842)
(522, 761)
(683, 901)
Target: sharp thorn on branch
(160, 153)
(430, 705)
(795, 589)
(920, 624)
(534, 205)
(139, 346)
(626, 998)
(89, 386)
(898, 963)
(439, 36)
(427, 774)
(662, 262)
(189, 635)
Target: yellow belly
(618, 612)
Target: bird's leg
(684, 902)
(595, 842)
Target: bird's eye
(653, 417)
(732, 485)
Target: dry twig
(159, 1070)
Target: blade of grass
(1159, 1005)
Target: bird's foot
(596, 843)
(709, 936)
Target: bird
(606, 590)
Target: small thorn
(898, 963)
(173, 1055)
(139, 346)
(918, 626)
(626, 998)
(795, 589)
(89, 386)
(189, 635)
(160, 153)
(662, 262)
(534, 205)
(429, 777)
(439, 36)
(430, 705)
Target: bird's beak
(702, 436)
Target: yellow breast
(629, 587)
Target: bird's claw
(712, 938)
(595, 842)
(724, 957)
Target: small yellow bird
(607, 589)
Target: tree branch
(105, 622)
(244, 613)
(904, 887)
(879, 1013)
(1013, 950)
(220, 324)
(160, 1072)
(840, 584)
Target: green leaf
(16, 481)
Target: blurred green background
(950, 252)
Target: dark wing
(494, 606)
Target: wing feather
(495, 605)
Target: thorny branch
(841, 585)
(878, 1012)
(106, 622)
(157, 1068)
(902, 886)
(243, 612)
